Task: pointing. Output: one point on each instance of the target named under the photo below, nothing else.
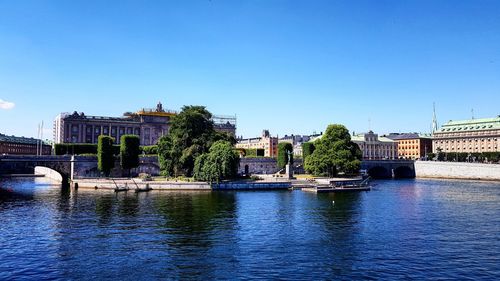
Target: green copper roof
(18, 140)
(471, 125)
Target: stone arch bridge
(68, 166)
(25, 164)
(381, 169)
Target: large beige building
(375, 147)
(266, 142)
(469, 136)
(148, 124)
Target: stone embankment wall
(454, 170)
(48, 173)
(263, 185)
(265, 165)
(132, 184)
(86, 167)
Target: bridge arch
(379, 172)
(404, 172)
(49, 173)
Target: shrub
(283, 149)
(105, 158)
(307, 149)
(75, 148)
(149, 150)
(129, 151)
(80, 148)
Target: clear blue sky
(287, 66)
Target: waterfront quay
(121, 183)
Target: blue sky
(287, 66)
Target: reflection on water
(408, 229)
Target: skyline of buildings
(471, 135)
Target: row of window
(408, 141)
(470, 140)
(22, 148)
(470, 148)
(408, 147)
(105, 130)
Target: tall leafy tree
(129, 152)
(105, 158)
(334, 153)
(191, 134)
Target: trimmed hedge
(129, 151)
(472, 157)
(465, 156)
(105, 158)
(75, 148)
(254, 152)
(307, 149)
(282, 154)
(80, 149)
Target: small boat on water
(342, 185)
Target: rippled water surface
(406, 229)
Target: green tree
(129, 152)
(307, 149)
(165, 156)
(105, 158)
(191, 134)
(220, 163)
(431, 156)
(440, 154)
(283, 149)
(198, 172)
(334, 153)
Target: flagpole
(41, 140)
(38, 138)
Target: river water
(402, 229)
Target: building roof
(361, 138)
(408, 136)
(471, 125)
(19, 140)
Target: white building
(375, 147)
